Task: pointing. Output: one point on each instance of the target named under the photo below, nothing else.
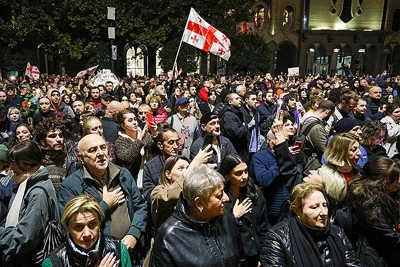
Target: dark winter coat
(277, 249)
(182, 241)
(77, 184)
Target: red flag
(204, 36)
(89, 71)
(32, 72)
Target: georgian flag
(32, 72)
(89, 71)
(204, 36)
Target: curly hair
(47, 125)
(367, 195)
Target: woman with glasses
(373, 135)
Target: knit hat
(344, 125)
(3, 153)
(207, 117)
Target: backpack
(313, 155)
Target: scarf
(84, 257)
(304, 238)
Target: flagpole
(180, 44)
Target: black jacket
(253, 225)
(184, 242)
(235, 129)
(151, 171)
(225, 146)
(277, 248)
(110, 129)
(265, 111)
(377, 244)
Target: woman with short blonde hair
(86, 245)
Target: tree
(249, 54)
(187, 58)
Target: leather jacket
(68, 254)
(277, 248)
(182, 241)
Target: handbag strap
(52, 216)
(183, 137)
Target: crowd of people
(201, 171)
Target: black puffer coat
(181, 241)
(277, 249)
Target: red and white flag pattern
(32, 72)
(204, 36)
(89, 71)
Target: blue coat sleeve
(265, 168)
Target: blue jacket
(76, 184)
(272, 177)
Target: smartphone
(149, 117)
(208, 140)
(298, 144)
(278, 109)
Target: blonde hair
(336, 153)
(80, 204)
(300, 192)
(334, 182)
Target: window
(288, 18)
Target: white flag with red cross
(204, 36)
(32, 72)
(89, 71)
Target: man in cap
(184, 124)
(221, 145)
(14, 100)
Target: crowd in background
(240, 170)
